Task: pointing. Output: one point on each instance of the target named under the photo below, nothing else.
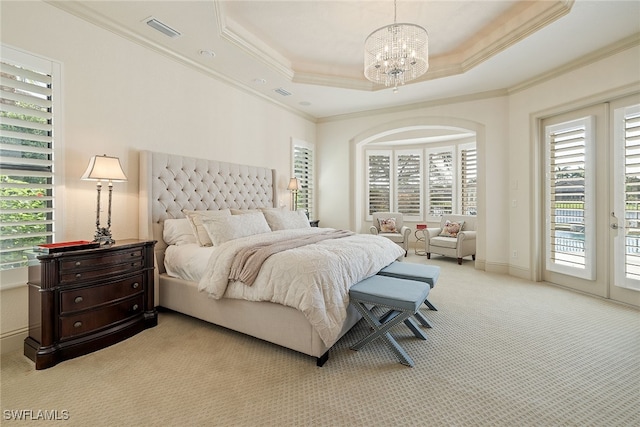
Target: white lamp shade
(104, 168)
(293, 184)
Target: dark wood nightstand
(314, 223)
(82, 301)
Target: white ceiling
(314, 49)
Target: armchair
(397, 232)
(450, 240)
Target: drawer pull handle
(77, 324)
(78, 263)
(135, 285)
(78, 275)
(78, 300)
(135, 307)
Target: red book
(76, 245)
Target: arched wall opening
(416, 130)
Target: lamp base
(103, 236)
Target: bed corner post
(320, 361)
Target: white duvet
(315, 278)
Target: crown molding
(244, 40)
(415, 106)
(620, 46)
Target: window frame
(308, 180)
(424, 151)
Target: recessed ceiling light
(207, 53)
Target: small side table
(421, 240)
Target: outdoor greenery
(22, 220)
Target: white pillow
(196, 218)
(243, 211)
(223, 229)
(286, 220)
(178, 231)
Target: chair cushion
(412, 271)
(395, 237)
(406, 295)
(443, 242)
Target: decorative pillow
(225, 228)
(451, 229)
(196, 217)
(387, 225)
(279, 219)
(178, 232)
(244, 211)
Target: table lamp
(293, 187)
(104, 168)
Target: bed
(173, 188)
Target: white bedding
(188, 261)
(315, 278)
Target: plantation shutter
(468, 181)
(568, 194)
(303, 169)
(379, 182)
(441, 180)
(409, 184)
(26, 161)
(629, 255)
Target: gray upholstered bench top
(412, 271)
(405, 295)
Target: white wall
(119, 98)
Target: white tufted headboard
(170, 183)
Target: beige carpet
(503, 352)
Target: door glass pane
(568, 249)
(627, 195)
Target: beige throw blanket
(246, 265)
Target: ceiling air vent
(163, 28)
(282, 92)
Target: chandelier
(396, 54)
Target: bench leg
(382, 331)
(423, 320)
(411, 324)
(430, 305)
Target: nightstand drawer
(101, 271)
(83, 298)
(89, 321)
(78, 263)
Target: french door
(591, 201)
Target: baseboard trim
(13, 340)
(519, 272)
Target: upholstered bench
(401, 297)
(412, 271)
